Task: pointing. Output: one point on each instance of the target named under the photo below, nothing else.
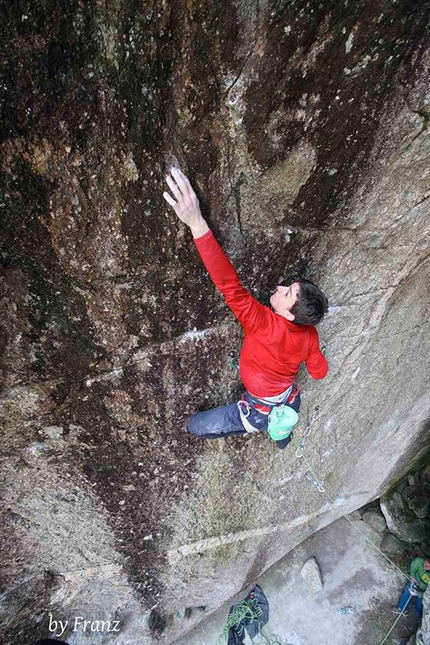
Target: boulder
(418, 499)
(401, 521)
(401, 486)
(356, 515)
(376, 520)
(311, 574)
(392, 545)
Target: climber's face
(284, 299)
(427, 564)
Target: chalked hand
(184, 202)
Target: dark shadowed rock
(392, 546)
(401, 521)
(418, 499)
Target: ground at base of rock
(353, 608)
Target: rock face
(303, 127)
(406, 510)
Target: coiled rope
(249, 611)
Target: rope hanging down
(314, 479)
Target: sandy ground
(354, 576)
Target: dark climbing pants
(225, 421)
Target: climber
(420, 574)
(276, 340)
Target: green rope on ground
(249, 610)
(246, 609)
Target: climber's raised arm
(186, 205)
(247, 310)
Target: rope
(268, 640)
(250, 611)
(313, 478)
(377, 549)
(402, 613)
(320, 487)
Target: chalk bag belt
(265, 406)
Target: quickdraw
(307, 431)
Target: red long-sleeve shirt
(273, 347)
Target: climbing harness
(254, 412)
(245, 410)
(274, 414)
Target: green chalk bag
(282, 420)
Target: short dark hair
(311, 304)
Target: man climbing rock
(277, 339)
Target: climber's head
(284, 299)
(427, 564)
(301, 302)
